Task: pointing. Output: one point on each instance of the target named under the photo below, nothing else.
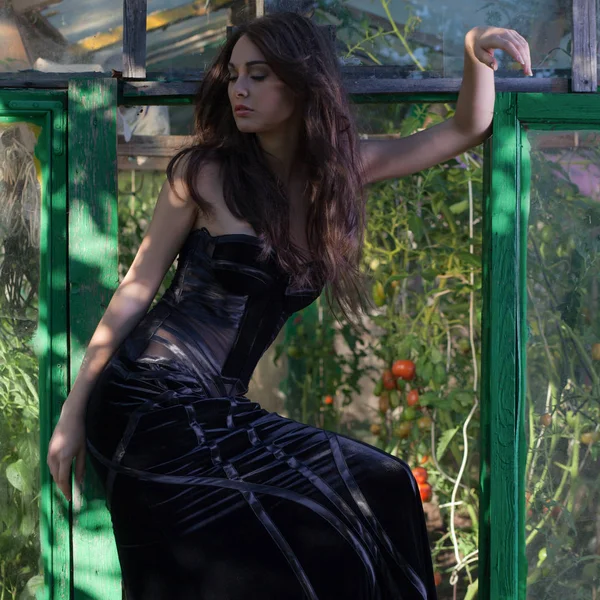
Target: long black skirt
(214, 498)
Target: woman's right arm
(174, 215)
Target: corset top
(223, 309)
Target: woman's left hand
(482, 41)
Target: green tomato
(378, 294)
(409, 413)
(378, 388)
(547, 234)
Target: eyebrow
(250, 63)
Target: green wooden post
(93, 278)
(522, 329)
(502, 398)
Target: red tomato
(437, 578)
(424, 459)
(404, 369)
(426, 492)
(412, 397)
(328, 400)
(420, 474)
(389, 384)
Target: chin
(247, 128)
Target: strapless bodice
(222, 310)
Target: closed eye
(255, 77)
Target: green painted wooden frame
(503, 564)
(85, 566)
(47, 109)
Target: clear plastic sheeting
(428, 35)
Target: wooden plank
(584, 53)
(55, 180)
(560, 111)
(152, 145)
(369, 86)
(93, 278)
(485, 521)
(153, 163)
(364, 81)
(522, 333)
(500, 518)
(134, 39)
(361, 72)
(166, 146)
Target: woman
(212, 497)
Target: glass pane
(425, 283)
(86, 35)
(20, 197)
(563, 367)
(428, 35)
(184, 35)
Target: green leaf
(19, 476)
(444, 440)
(459, 207)
(415, 224)
(469, 259)
(436, 356)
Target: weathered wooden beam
(153, 152)
(585, 62)
(367, 86)
(134, 39)
(378, 81)
(152, 163)
(152, 145)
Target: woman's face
(254, 85)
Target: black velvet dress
(213, 497)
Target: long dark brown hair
(302, 55)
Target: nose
(240, 89)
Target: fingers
(508, 40)
(63, 481)
(60, 470)
(523, 49)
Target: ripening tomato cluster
(396, 382)
(425, 490)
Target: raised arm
(389, 159)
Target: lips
(241, 108)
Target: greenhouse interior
(484, 273)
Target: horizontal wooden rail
(370, 81)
